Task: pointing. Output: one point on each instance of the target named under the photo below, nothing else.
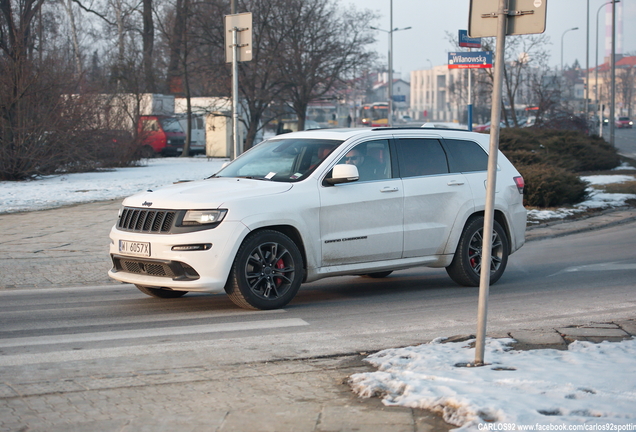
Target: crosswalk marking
(152, 332)
(68, 322)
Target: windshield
(283, 160)
(171, 125)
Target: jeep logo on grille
(146, 203)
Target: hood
(205, 194)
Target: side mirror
(343, 173)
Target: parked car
(623, 123)
(486, 127)
(307, 205)
(566, 121)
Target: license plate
(134, 248)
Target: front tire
(160, 293)
(466, 265)
(267, 271)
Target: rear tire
(267, 271)
(160, 293)
(466, 265)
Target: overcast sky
(431, 19)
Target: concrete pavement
(69, 246)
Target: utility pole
(613, 72)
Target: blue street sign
(470, 60)
(468, 42)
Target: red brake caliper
(279, 265)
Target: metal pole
(470, 99)
(390, 119)
(235, 54)
(562, 52)
(587, 64)
(486, 250)
(613, 72)
(598, 102)
(573, 28)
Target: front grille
(176, 142)
(173, 269)
(146, 220)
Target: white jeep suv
(307, 205)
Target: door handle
(455, 183)
(389, 189)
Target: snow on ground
(596, 200)
(57, 191)
(589, 385)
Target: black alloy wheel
(465, 268)
(267, 271)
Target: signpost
(497, 18)
(470, 60)
(466, 41)
(522, 17)
(238, 47)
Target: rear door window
(421, 157)
(466, 156)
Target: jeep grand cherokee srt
(307, 205)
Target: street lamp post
(573, 28)
(390, 78)
(600, 121)
(587, 62)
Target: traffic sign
(524, 17)
(468, 42)
(242, 24)
(470, 60)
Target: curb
(562, 228)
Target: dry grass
(628, 187)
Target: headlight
(203, 217)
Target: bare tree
(321, 49)
(77, 52)
(526, 63)
(260, 82)
(148, 37)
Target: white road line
(55, 290)
(221, 350)
(71, 321)
(153, 332)
(610, 266)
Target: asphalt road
(553, 282)
(624, 140)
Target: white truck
(212, 123)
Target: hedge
(549, 159)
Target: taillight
(520, 183)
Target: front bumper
(197, 270)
